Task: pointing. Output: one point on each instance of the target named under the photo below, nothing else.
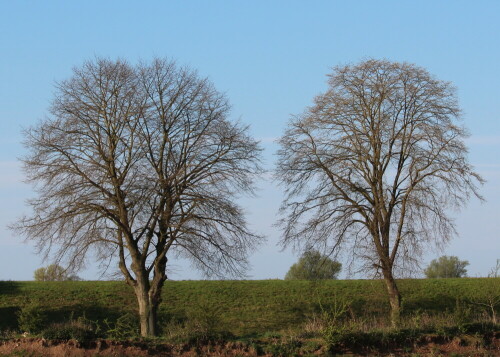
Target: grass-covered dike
(274, 316)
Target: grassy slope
(244, 307)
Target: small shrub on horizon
(446, 267)
(313, 265)
(54, 272)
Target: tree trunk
(394, 297)
(149, 298)
(148, 293)
(148, 313)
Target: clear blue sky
(270, 58)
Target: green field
(245, 307)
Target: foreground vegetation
(291, 314)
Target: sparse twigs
(332, 322)
(203, 324)
(335, 324)
(490, 303)
(124, 327)
(206, 318)
(495, 271)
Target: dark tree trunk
(149, 298)
(394, 297)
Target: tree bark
(148, 312)
(394, 298)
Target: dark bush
(69, 331)
(31, 318)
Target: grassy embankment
(252, 308)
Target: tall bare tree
(373, 165)
(138, 163)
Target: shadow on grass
(8, 314)
(9, 287)
(94, 313)
(8, 318)
(434, 304)
(97, 314)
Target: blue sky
(270, 58)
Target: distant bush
(313, 265)
(54, 272)
(446, 267)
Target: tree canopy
(54, 272)
(313, 265)
(446, 267)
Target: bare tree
(372, 166)
(495, 271)
(138, 163)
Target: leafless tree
(373, 165)
(495, 271)
(138, 163)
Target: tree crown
(374, 164)
(54, 272)
(313, 265)
(446, 267)
(135, 161)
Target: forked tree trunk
(394, 298)
(148, 295)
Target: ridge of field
(242, 307)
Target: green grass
(241, 307)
